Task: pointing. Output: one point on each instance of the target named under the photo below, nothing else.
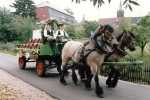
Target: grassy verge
(8, 48)
(14, 53)
(137, 55)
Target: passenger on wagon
(48, 31)
(61, 34)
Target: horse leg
(74, 76)
(95, 70)
(113, 78)
(99, 90)
(81, 71)
(89, 76)
(94, 61)
(116, 78)
(110, 75)
(62, 75)
(58, 62)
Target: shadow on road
(47, 74)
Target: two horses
(94, 58)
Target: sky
(87, 10)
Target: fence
(133, 71)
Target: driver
(48, 32)
(104, 39)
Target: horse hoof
(75, 80)
(109, 86)
(87, 86)
(82, 81)
(112, 83)
(63, 82)
(100, 96)
(89, 89)
(76, 83)
(66, 73)
(99, 92)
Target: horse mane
(132, 34)
(124, 31)
(119, 37)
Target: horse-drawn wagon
(45, 52)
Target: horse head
(127, 40)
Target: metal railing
(133, 71)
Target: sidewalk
(12, 88)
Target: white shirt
(61, 33)
(47, 28)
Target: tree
(99, 3)
(75, 30)
(143, 33)
(6, 32)
(23, 27)
(124, 24)
(82, 29)
(70, 29)
(24, 8)
(89, 26)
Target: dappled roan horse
(126, 41)
(94, 59)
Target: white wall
(36, 34)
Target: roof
(113, 21)
(108, 20)
(48, 4)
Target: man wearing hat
(60, 33)
(104, 38)
(48, 31)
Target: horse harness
(86, 52)
(100, 50)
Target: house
(46, 11)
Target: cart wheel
(22, 62)
(40, 68)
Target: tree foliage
(24, 8)
(6, 32)
(99, 3)
(89, 26)
(75, 30)
(82, 29)
(23, 26)
(124, 24)
(143, 33)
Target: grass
(8, 48)
(137, 55)
(14, 53)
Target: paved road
(50, 84)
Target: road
(50, 84)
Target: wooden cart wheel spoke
(22, 62)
